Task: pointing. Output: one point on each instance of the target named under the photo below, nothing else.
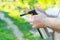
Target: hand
(37, 21)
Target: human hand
(38, 21)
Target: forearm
(53, 23)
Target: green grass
(5, 33)
(24, 26)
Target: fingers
(37, 22)
(38, 25)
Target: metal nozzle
(23, 14)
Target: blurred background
(14, 27)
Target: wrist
(47, 22)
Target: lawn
(5, 33)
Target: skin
(38, 21)
(53, 23)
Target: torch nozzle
(30, 12)
(23, 14)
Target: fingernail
(33, 26)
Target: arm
(53, 23)
(54, 20)
(41, 22)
